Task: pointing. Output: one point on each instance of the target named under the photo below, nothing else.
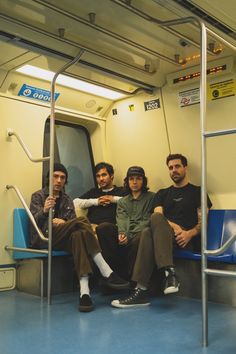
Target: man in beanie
(132, 216)
(71, 234)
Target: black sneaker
(85, 303)
(115, 282)
(171, 284)
(137, 298)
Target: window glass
(73, 150)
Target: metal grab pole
(203, 185)
(51, 165)
(220, 250)
(26, 150)
(39, 232)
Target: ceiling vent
(207, 18)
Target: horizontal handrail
(219, 132)
(28, 211)
(219, 273)
(26, 150)
(222, 248)
(30, 250)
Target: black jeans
(120, 258)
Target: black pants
(120, 258)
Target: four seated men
(136, 239)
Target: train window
(72, 149)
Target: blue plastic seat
(21, 236)
(221, 225)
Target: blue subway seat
(21, 238)
(221, 226)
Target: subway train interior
(127, 82)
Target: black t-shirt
(98, 214)
(180, 204)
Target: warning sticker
(222, 89)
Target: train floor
(171, 324)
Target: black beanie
(59, 167)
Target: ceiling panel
(126, 47)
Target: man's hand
(122, 239)
(183, 238)
(105, 200)
(177, 229)
(57, 221)
(49, 203)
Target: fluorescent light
(67, 81)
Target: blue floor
(170, 325)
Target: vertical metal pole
(52, 136)
(203, 184)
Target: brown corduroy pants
(77, 237)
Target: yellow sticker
(131, 107)
(222, 89)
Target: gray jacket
(66, 212)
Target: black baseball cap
(135, 171)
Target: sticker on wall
(114, 112)
(222, 89)
(36, 93)
(153, 104)
(189, 97)
(131, 107)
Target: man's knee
(157, 218)
(83, 219)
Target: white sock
(102, 265)
(140, 286)
(84, 285)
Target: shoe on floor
(171, 284)
(85, 303)
(115, 282)
(137, 298)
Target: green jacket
(133, 215)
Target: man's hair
(135, 171)
(58, 167)
(181, 157)
(105, 165)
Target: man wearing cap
(132, 216)
(176, 222)
(72, 234)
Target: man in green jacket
(132, 217)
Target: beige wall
(27, 119)
(140, 137)
(135, 137)
(184, 133)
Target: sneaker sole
(118, 286)
(123, 306)
(86, 308)
(171, 290)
